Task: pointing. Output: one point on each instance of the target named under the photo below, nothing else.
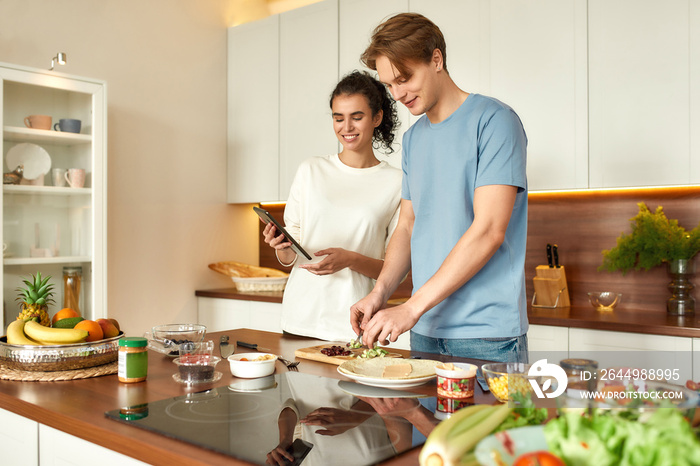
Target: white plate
(525, 440)
(35, 159)
(387, 383)
(366, 391)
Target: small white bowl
(251, 368)
(461, 370)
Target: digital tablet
(267, 218)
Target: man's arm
(397, 263)
(493, 206)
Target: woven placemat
(7, 373)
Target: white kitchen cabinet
(56, 448)
(226, 314)
(356, 21)
(308, 73)
(546, 338)
(69, 223)
(638, 350)
(253, 111)
(640, 93)
(281, 71)
(19, 438)
(537, 65)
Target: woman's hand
(280, 456)
(276, 242)
(336, 259)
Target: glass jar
(72, 278)
(581, 373)
(132, 363)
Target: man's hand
(387, 324)
(361, 312)
(333, 421)
(336, 259)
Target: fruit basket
(59, 357)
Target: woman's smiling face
(353, 121)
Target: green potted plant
(654, 240)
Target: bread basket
(250, 278)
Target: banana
(54, 336)
(16, 335)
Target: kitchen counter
(77, 407)
(620, 320)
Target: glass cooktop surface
(338, 422)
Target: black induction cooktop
(340, 420)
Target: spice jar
(132, 360)
(72, 277)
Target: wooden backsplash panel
(583, 224)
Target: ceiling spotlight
(60, 58)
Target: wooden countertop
(77, 407)
(619, 320)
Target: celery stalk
(454, 437)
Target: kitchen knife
(555, 253)
(253, 346)
(549, 255)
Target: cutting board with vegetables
(315, 353)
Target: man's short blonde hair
(405, 38)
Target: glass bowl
(507, 378)
(197, 368)
(604, 300)
(169, 338)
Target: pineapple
(35, 299)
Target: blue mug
(67, 125)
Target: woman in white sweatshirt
(342, 209)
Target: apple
(116, 324)
(108, 328)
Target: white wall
(164, 62)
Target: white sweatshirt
(332, 205)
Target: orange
(93, 328)
(64, 313)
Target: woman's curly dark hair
(362, 83)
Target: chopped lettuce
(606, 438)
(524, 414)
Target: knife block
(551, 290)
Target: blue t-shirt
(482, 143)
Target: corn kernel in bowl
(506, 379)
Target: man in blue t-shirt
(463, 223)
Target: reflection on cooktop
(259, 419)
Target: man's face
(418, 93)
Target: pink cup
(75, 177)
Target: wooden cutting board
(314, 353)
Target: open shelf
(45, 190)
(45, 260)
(19, 134)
